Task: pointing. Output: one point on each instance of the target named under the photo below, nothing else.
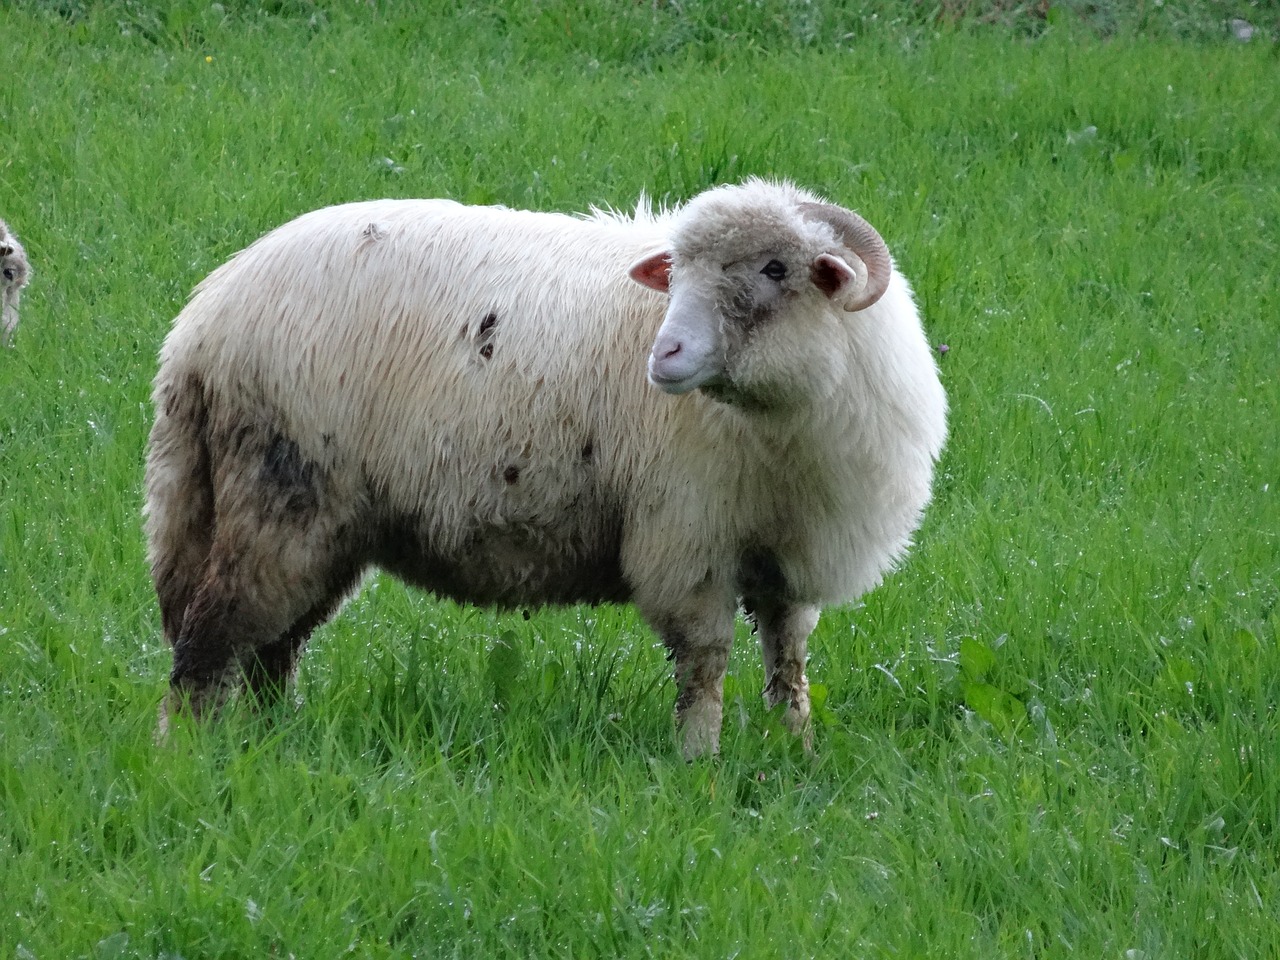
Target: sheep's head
(15, 272)
(745, 261)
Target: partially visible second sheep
(15, 271)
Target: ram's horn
(862, 238)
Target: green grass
(1052, 733)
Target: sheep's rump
(419, 385)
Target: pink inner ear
(654, 271)
(830, 274)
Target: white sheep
(15, 273)
(458, 395)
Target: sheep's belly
(511, 566)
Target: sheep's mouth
(673, 385)
(677, 384)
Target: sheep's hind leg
(249, 620)
(285, 552)
(272, 664)
(179, 511)
(784, 631)
(222, 621)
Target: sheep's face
(14, 274)
(763, 278)
(748, 332)
(13, 261)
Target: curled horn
(862, 238)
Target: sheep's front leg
(699, 669)
(784, 631)
(698, 638)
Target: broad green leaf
(506, 663)
(1002, 710)
(552, 676)
(976, 658)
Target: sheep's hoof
(700, 730)
(796, 716)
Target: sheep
(15, 273)
(458, 395)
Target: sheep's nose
(667, 351)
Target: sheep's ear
(654, 271)
(834, 277)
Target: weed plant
(1052, 733)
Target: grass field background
(1052, 733)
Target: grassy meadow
(1053, 732)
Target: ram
(458, 395)
(15, 273)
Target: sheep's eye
(8, 273)
(775, 270)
